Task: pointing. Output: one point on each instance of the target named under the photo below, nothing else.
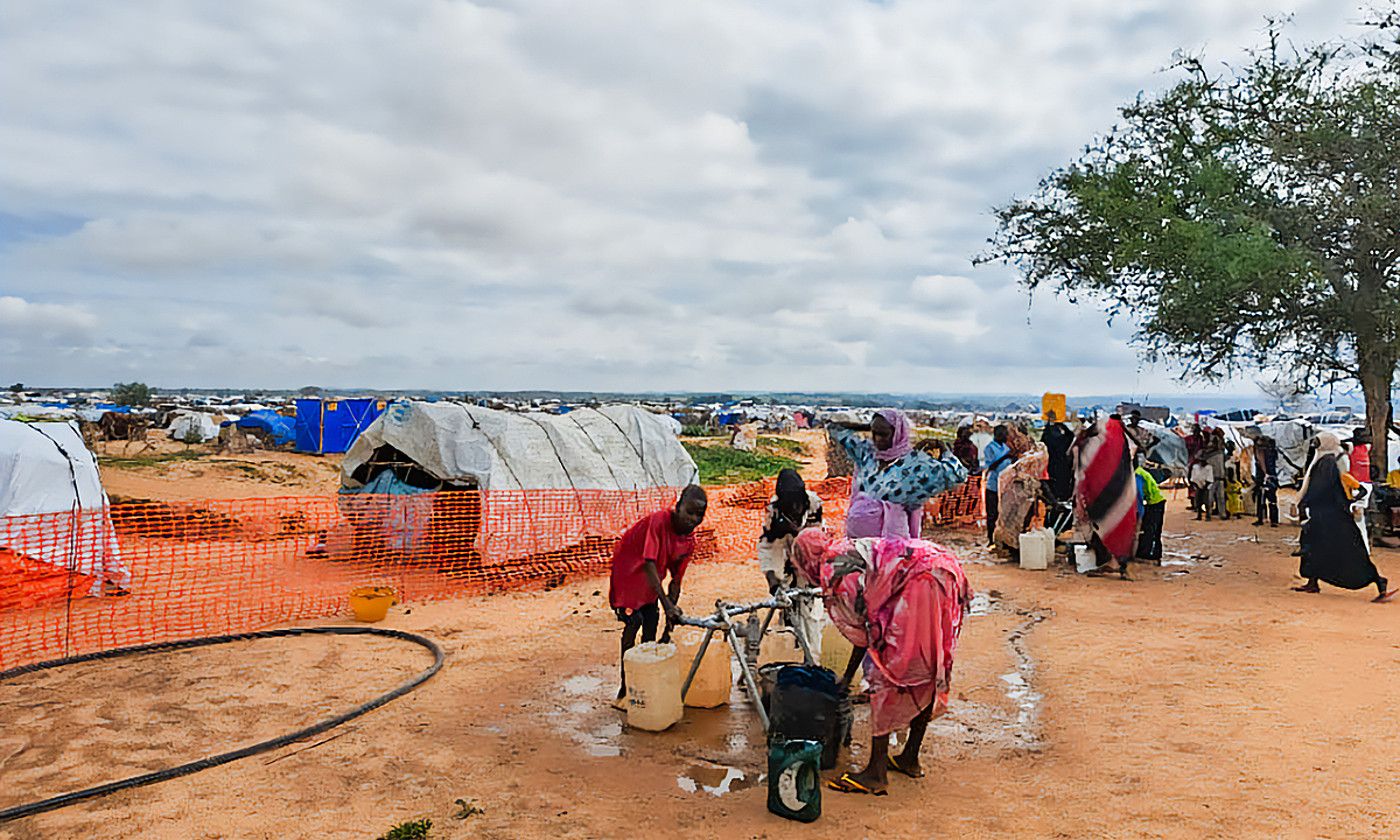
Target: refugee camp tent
(610, 448)
(324, 426)
(280, 430)
(45, 468)
(192, 426)
(415, 447)
(1292, 438)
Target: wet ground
(1200, 699)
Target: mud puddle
(717, 780)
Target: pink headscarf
(901, 444)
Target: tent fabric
(1292, 437)
(192, 423)
(45, 468)
(330, 426)
(611, 448)
(281, 429)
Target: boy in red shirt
(657, 545)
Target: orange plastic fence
(91, 580)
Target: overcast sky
(575, 195)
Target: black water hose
(66, 799)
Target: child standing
(657, 546)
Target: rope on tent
(641, 453)
(607, 462)
(74, 513)
(64, 800)
(578, 500)
(502, 456)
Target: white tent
(45, 468)
(611, 448)
(188, 425)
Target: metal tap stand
(747, 638)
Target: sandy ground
(169, 471)
(1202, 699)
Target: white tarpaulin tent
(45, 468)
(192, 426)
(611, 448)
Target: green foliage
(17, 387)
(723, 465)
(131, 393)
(696, 430)
(412, 830)
(1244, 220)
(782, 444)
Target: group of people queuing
(1090, 482)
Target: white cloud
(613, 194)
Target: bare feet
(1307, 587)
(907, 765)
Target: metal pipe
(748, 680)
(695, 664)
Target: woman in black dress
(1333, 547)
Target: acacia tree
(1246, 218)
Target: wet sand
(1202, 699)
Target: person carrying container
(655, 547)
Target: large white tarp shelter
(611, 448)
(45, 468)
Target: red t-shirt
(652, 539)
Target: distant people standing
(1214, 453)
(1361, 456)
(965, 449)
(893, 478)
(998, 457)
(1152, 508)
(1266, 480)
(1058, 439)
(1142, 437)
(1106, 493)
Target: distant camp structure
(325, 426)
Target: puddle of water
(716, 780)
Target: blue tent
(281, 429)
(332, 425)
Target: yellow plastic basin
(371, 603)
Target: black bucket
(807, 705)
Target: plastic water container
(710, 688)
(779, 645)
(653, 686)
(1084, 559)
(794, 782)
(836, 652)
(1037, 549)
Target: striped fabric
(1106, 488)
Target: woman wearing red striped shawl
(1106, 492)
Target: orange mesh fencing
(91, 580)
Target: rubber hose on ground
(66, 799)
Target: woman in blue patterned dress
(893, 478)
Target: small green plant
(784, 444)
(723, 465)
(697, 430)
(411, 830)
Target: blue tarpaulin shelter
(332, 425)
(281, 429)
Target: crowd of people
(900, 600)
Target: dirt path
(1201, 700)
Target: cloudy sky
(597, 195)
